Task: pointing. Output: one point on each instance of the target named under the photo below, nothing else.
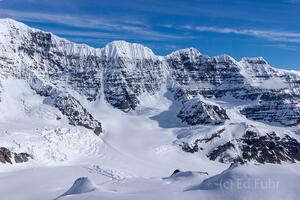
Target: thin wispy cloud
(115, 28)
(266, 34)
(294, 1)
(143, 34)
(284, 47)
(65, 19)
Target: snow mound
(186, 178)
(186, 174)
(261, 181)
(81, 185)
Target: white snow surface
(133, 148)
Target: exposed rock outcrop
(196, 112)
(6, 156)
(261, 149)
(275, 108)
(194, 147)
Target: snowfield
(133, 149)
(133, 159)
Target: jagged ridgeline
(124, 74)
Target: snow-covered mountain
(63, 102)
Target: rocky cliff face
(261, 149)
(250, 146)
(251, 79)
(129, 71)
(208, 89)
(278, 99)
(196, 112)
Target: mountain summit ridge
(11, 23)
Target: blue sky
(268, 28)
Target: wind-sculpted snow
(81, 185)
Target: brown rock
(5, 155)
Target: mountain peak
(190, 51)
(121, 48)
(8, 23)
(8, 20)
(224, 58)
(255, 60)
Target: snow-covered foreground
(133, 159)
(246, 182)
(133, 149)
(243, 182)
